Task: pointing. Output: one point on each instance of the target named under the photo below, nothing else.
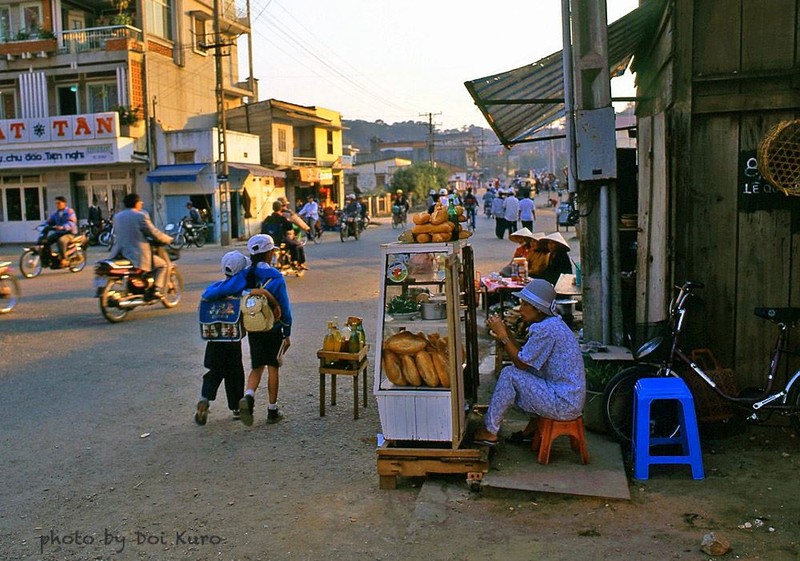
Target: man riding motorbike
(63, 225)
(310, 213)
(280, 228)
(132, 227)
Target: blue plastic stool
(646, 391)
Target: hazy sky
(376, 59)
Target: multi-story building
(304, 142)
(84, 86)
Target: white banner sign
(90, 126)
(70, 156)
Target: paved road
(79, 393)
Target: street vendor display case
(426, 408)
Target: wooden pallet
(408, 459)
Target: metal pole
(222, 156)
(605, 267)
(569, 103)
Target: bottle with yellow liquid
(333, 339)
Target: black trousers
(499, 227)
(224, 363)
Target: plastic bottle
(452, 216)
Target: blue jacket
(277, 287)
(64, 218)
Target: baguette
(410, 371)
(442, 228)
(439, 214)
(421, 218)
(422, 238)
(426, 369)
(391, 366)
(441, 238)
(405, 343)
(441, 367)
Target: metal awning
(255, 170)
(178, 173)
(519, 102)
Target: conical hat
(521, 235)
(558, 238)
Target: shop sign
(309, 175)
(89, 126)
(755, 192)
(326, 177)
(67, 156)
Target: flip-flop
(484, 442)
(519, 437)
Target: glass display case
(426, 352)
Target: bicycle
(618, 396)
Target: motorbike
(106, 235)
(399, 217)
(349, 226)
(121, 287)
(9, 288)
(92, 232)
(35, 258)
(187, 232)
(364, 221)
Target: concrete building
(84, 86)
(373, 177)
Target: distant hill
(359, 133)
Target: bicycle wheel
(618, 406)
(793, 401)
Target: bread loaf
(441, 238)
(439, 214)
(405, 343)
(442, 228)
(441, 367)
(410, 371)
(426, 369)
(422, 238)
(391, 366)
(421, 218)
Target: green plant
(127, 115)
(47, 34)
(599, 373)
(22, 35)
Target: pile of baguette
(416, 359)
(435, 227)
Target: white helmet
(432, 192)
(260, 243)
(233, 262)
(443, 191)
(351, 197)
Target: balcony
(28, 48)
(95, 39)
(303, 162)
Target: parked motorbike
(349, 226)
(93, 231)
(187, 232)
(35, 258)
(121, 287)
(9, 288)
(106, 235)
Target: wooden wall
(730, 66)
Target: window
(159, 18)
(101, 97)
(14, 204)
(281, 140)
(202, 34)
(330, 142)
(33, 209)
(8, 105)
(184, 157)
(31, 17)
(5, 23)
(68, 100)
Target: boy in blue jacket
(223, 358)
(261, 278)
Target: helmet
(233, 262)
(260, 243)
(432, 192)
(277, 205)
(351, 197)
(443, 191)
(399, 191)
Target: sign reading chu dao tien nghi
(93, 138)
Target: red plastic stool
(550, 429)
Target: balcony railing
(95, 38)
(297, 161)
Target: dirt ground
(99, 459)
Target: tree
(418, 179)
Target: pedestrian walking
(498, 211)
(511, 207)
(527, 212)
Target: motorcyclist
(402, 201)
(353, 207)
(132, 227)
(310, 213)
(194, 214)
(63, 225)
(280, 228)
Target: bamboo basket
(779, 157)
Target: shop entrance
(22, 207)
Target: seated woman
(558, 262)
(527, 243)
(547, 377)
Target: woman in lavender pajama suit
(547, 376)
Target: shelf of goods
(426, 370)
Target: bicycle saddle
(779, 315)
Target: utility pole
(431, 125)
(222, 153)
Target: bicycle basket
(779, 157)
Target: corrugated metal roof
(519, 102)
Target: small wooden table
(342, 364)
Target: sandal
(480, 437)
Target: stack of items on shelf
(411, 359)
(441, 225)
